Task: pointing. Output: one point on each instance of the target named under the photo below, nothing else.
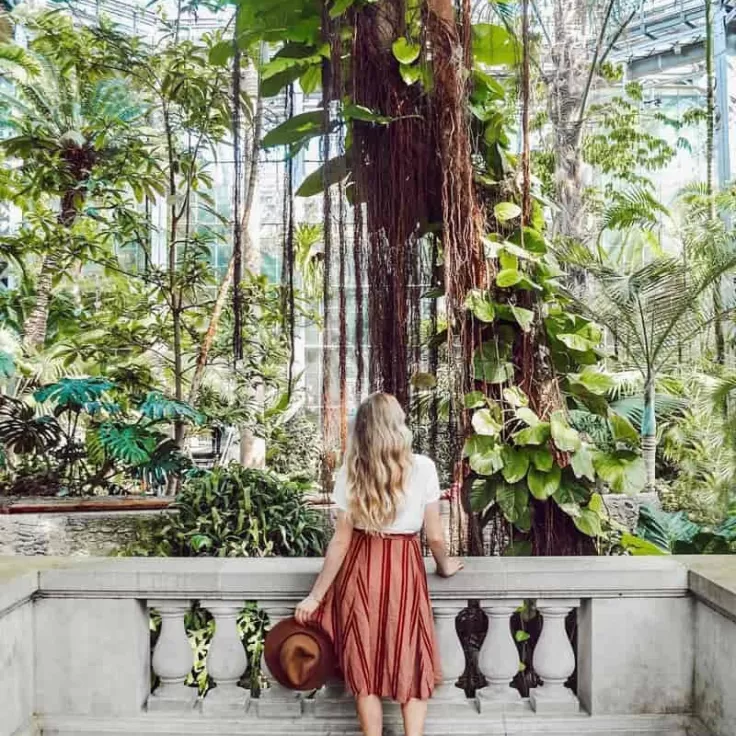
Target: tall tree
(76, 130)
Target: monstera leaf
(76, 394)
(165, 460)
(23, 432)
(158, 407)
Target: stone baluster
(172, 660)
(554, 659)
(276, 701)
(226, 660)
(452, 656)
(499, 658)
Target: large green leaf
(364, 114)
(75, 394)
(524, 317)
(508, 277)
(533, 240)
(295, 130)
(491, 365)
(481, 305)
(570, 497)
(623, 472)
(588, 522)
(515, 464)
(333, 172)
(405, 51)
(474, 400)
(544, 485)
(665, 530)
(638, 547)
(493, 45)
(158, 407)
(537, 435)
(484, 422)
(483, 454)
(582, 463)
(514, 502)
(542, 458)
(132, 444)
(482, 494)
(623, 430)
(593, 380)
(563, 435)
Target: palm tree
(651, 312)
(75, 130)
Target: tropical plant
(238, 512)
(700, 452)
(675, 533)
(651, 312)
(79, 435)
(78, 133)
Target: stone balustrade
(652, 650)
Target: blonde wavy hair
(378, 462)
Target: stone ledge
(660, 725)
(712, 579)
(290, 578)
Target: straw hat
(299, 657)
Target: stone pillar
(226, 661)
(452, 656)
(172, 660)
(554, 659)
(499, 658)
(277, 701)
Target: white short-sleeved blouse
(422, 488)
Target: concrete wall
(63, 534)
(714, 586)
(16, 654)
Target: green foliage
(81, 435)
(293, 444)
(239, 512)
(674, 533)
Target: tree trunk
(710, 107)
(567, 89)
(649, 434)
(248, 259)
(34, 329)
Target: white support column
(554, 659)
(276, 701)
(452, 656)
(226, 661)
(172, 660)
(499, 658)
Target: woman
(371, 595)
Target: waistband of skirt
(387, 535)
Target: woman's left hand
(305, 610)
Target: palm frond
(635, 207)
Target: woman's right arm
(446, 566)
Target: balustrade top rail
(284, 579)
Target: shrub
(238, 512)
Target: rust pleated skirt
(379, 617)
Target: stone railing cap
(291, 578)
(712, 579)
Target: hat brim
(323, 669)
